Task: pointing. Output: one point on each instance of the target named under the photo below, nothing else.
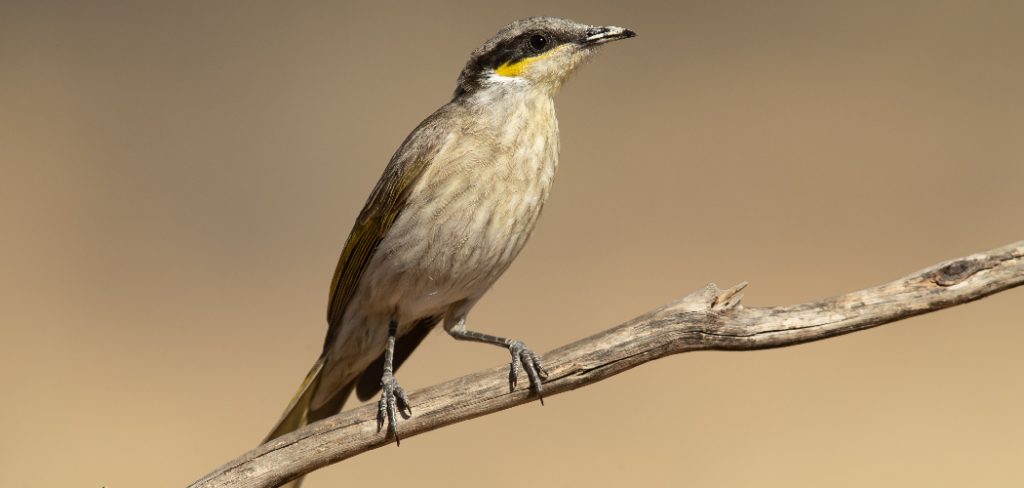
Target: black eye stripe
(512, 45)
(512, 50)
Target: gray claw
(513, 375)
(524, 358)
(392, 402)
(403, 402)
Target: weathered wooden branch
(709, 319)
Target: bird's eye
(538, 42)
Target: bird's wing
(382, 208)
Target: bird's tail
(299, 412)
(295, 416)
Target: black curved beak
(601, 35)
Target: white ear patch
(496, 78)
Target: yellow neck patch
(517, 68)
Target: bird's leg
(522, 356)
(392, 398)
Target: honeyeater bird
(454, 207)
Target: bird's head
(538, 53)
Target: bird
(452, 210)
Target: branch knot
(960, 270)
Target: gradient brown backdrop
(178, 179)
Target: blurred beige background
(178, 179)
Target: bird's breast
(471, 213)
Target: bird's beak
(601, 35)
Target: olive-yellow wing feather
(385, 204)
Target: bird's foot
(392, 402)
(524, 358)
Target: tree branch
(709, 319)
